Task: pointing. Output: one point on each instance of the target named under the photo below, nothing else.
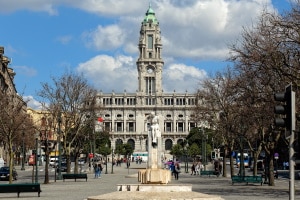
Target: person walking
(197, 168)
(96, 170)
(193, 169)
(100, 168)
(172, 168)
(176, 171)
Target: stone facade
(125, 114)
(8, 90)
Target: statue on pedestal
(155, 130)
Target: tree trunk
(224, 162)
(46, 181)
(11, 160)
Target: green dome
(150, 16)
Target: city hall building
(125, 114)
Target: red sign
(100, 119)
(91, 155)
(32, 160)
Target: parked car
(53, 162)
(63, 167)
(81, 161)
(4, 173)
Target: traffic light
(286, 109)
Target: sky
(99, 38)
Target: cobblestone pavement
(220, 186)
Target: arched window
(180, 141)
(119, 142)
(132, 143)
(168, 144)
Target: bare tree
(13, 119)
(267, 59)
(216, 107)
(71, 98)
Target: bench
(208, 172)
(20, 187)
(74, 176)
(246, 179)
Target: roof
(150, 16)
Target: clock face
(149, 70)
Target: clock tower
(150, 63)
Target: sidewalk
(80, 190)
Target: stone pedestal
(154, 176)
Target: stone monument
(154, 172)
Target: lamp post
(59, 177)
(186, 164)
(93, 142)
(36, 157)
(204, 138)
(242, 162)
(40, 157)
(112, 161)
(106, 146)
(23, 152)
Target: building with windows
(125, 114)
(11, 103)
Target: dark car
(63, 167)
(4, 173)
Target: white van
(53, 162)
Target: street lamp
(59, 177)
(93, 143)
(112, 160)
(186, 164)
(242, 162)
(106, 146)
(23, 152)
(204, 147)
(36, 158)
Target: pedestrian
(176, 170)
(96, 170)
(193, 169)
(197, 168)
(172, 168)
(100, 168)
(128, 164)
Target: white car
(81, 161)
(53, 162)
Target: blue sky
(99, 38)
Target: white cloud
(104, 38)
(64, 39)
(181, 78)
(203, 30)
(109, 73)
(32, 103)
(32, 5)
(118, 74)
